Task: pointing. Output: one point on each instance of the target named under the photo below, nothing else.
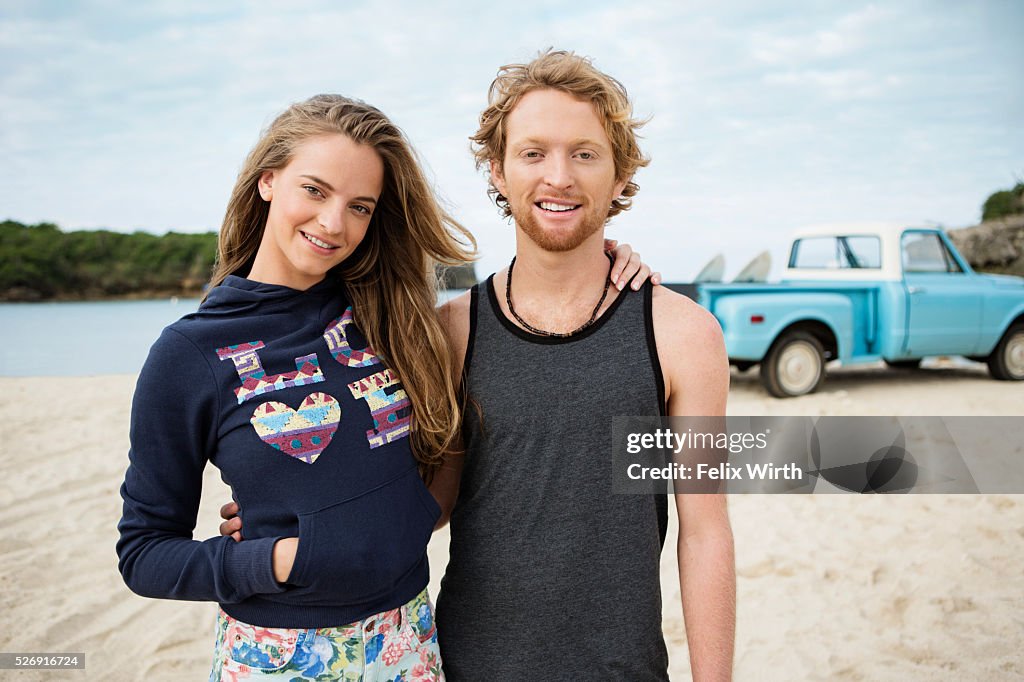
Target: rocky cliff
(993, 246)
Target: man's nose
(557, 172)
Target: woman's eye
(312, 191)
(361, 209)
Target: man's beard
(560, 241)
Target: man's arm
(696, 371)
(445, 484)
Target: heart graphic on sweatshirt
(302, 433)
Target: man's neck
(560, 276)
(557, 291)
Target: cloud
(847, 35)
(765, 116)
(839, 84)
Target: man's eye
(312, 191)
(586, 156)
(532, 155)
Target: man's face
(558, 173)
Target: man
(551, 576)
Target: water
(83, 338)
(86, 338)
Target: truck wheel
(795, 365)
(1007, 360)
(904, 364)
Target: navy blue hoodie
(278, 389)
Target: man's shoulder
(457, 305)
(682, 318)
(454, 314)
(692, 353)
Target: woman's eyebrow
(318, 181)
(327, 186)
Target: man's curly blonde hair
(570, 73)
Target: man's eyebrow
(587, 142)
(578, 142)
(327, 185)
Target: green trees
(1004, 203)
(40, 262)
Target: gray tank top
(552, 576)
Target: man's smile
(556, 207)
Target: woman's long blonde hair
(390, 276)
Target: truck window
(865, 252)
(832, 253)
(925, 252)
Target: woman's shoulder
(173, 349)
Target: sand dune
(830, 587)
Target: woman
(287, 379)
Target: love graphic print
(304, 431)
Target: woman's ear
(266, 185)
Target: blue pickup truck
(863, 293)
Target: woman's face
(320, 208)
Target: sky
(764, 117)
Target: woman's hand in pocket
(283, 558)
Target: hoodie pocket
(362, 548)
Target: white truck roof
(888, 234)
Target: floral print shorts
(398, 646)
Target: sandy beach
(831, 587)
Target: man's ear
(498, 177)
(266, 185)
(619, 186)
